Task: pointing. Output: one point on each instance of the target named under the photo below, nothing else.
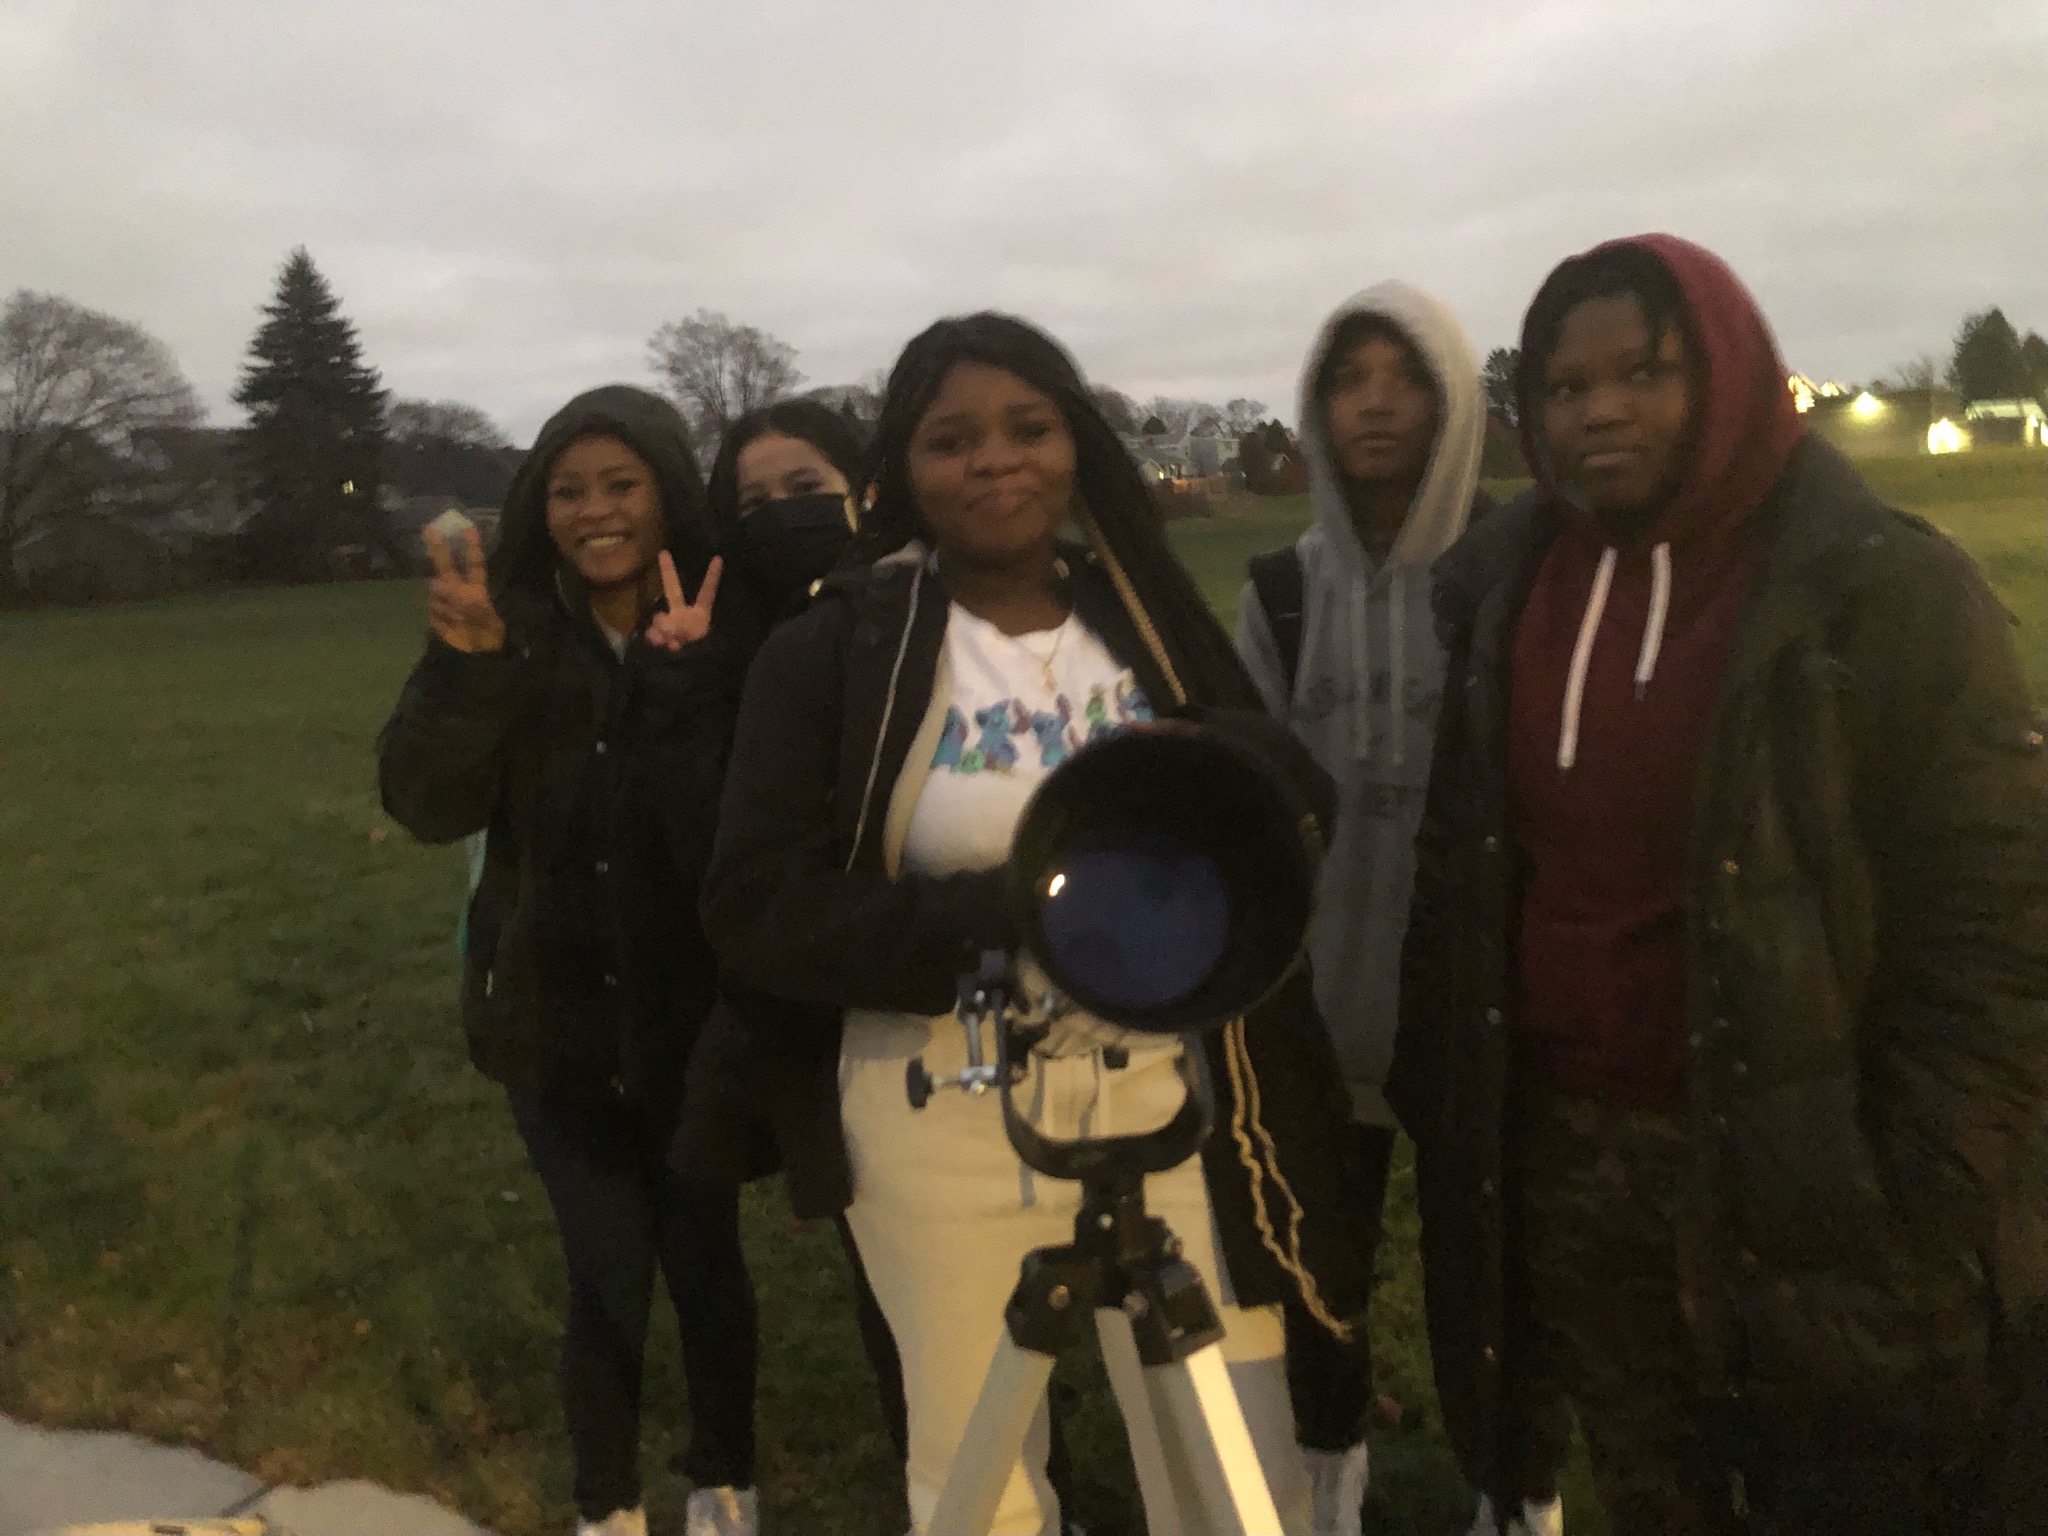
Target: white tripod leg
(1196, 1405)
(1011, 1393)
(1162, 1475)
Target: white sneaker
(1545, 1519)
(722, 1512)
(1336, 1488)
(620, 1522)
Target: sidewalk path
(51, 1478)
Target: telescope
(1162, 880)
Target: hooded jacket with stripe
(1368, 678)
(1865, 994)
(798, 902)
(586, 973)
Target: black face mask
(782, 546)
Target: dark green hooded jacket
(586, 973)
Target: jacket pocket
(1807, 1188)
(1888, 1346)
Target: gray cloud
(510, 196)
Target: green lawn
(251, 1196)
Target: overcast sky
(509, 195)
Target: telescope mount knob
(917, 1083)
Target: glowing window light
(1946, 437)
(1866, 405)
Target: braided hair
(1124, 522)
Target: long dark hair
(1125, 525)
(809, 421)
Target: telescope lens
(1135, 918)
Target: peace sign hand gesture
(682, 623)
(459, 605)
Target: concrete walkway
(51, 1478)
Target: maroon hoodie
(1601, 775)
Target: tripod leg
(1197, 1407)
(1011, 1394)
(1163, 1476)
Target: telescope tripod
(1194, 1457)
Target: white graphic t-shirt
(1006, 729)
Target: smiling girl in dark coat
(577, 704)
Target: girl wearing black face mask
(783, 485)
(782, 489)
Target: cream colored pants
(944, 1213)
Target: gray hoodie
(1368, 682)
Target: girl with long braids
(887, 741)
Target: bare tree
(444, 448)
(718, 371)
(73, 383)
(441, 423)
(1184, 416)
(1921, 372)
(1242, 416)
(858, 403)
(1117, 408)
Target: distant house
(1891, 423)
(1178, 462)
(91, 556)
(1806, 393)
(2006, 421)
(144, 519)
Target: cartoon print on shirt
(952, 739)
(1055, 731)
(1050, 727)
(993, 753)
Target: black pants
(1330, 1380)
(621, 1212)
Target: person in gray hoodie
(1336, 631)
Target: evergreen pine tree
(1989, 362)
(316, 435)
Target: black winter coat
(797, 901)
(1867, 940)
(586, 971)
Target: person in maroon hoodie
(1723, 1037)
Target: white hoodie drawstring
(1589, 625)
(1653, 626)
(1582, 656)
(1361, 661)
(1397, 646)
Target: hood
(1443, 502)
(1744, 422)
(526, 566)
(1355, 622)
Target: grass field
(253, 1199)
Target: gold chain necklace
(1045, 662)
